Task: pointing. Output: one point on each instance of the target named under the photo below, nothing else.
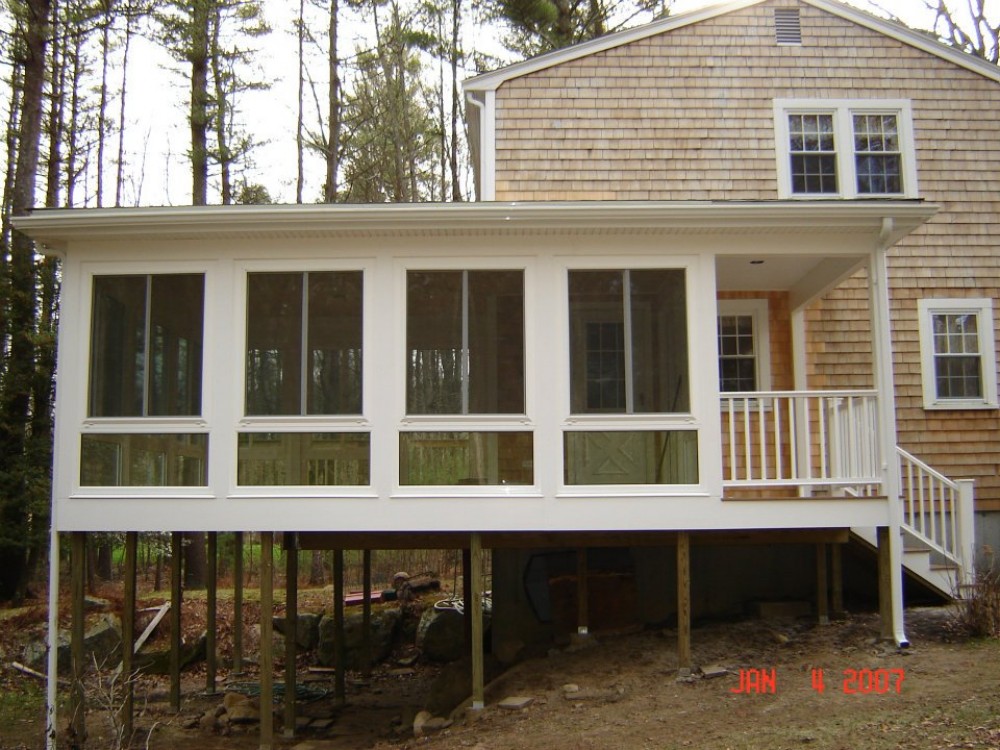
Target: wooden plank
(366, 612)
(884, 582)
(683, 603)
(128, 634)
(291, 630)
(475, 612)
(211, 592)
(582, 603)
(175, 620)
(78, 707)
(822, 586)
(238, 602)
(266, 656)
(837, 573)
(340, 650)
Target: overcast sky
(159, 170)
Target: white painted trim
(488, 149)
(982, 308)
(495, 79)
(52, 643)
(842, 111)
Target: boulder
(306, 629)
(441, 634)
(102, 645)
(383, 630)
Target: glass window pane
(659, 341)
(144, 460)
(434, 363)
(496, 342)
(274, 343)
(335, 349)
(466, 458)
(118, 346)
(597, 343)
(176, 314)
(304, 459)
(631, 457)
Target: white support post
(878, 285)
(52, 683)
(966, 529)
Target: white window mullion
(627, 312)
(304, 345)
(147, 358)
(465, 364)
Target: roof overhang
(493, 80)
(884, 222)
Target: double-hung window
(958, 363)
(845, 148)
(629, 370)
(744, 348)
(146, 342)
(304, 380)
(465, 379)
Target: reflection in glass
(304, 459)
(144, 460)
(631, 457)
(466, 458)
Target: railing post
(966, 528)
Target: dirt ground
(803, 685)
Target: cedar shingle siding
(688, 115)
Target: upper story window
(304, 343)
(146, 345)
(465, 342)
(744, 349)
(845, 148)
(957, 353)
(628, 341)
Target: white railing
(936, 510)
(801, 439)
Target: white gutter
(486, 161)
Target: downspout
(487, 143)
(878, 280)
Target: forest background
(159, 102)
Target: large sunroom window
(304, 359)
(146, 345)
(628, 359)
(465, 359)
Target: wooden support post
(884, 582)
(238, 602)
(340, 650)
(683, 603)
(291, 628)
(837, 574)
(582, 591)
(266, 656)
(78, 708)
(366, 612)
(175, 619)
(128, 637)
(467, 596)
(475, 615)
(822, 586)
(211, 591)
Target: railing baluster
(823, 448)
(762, 437)
(732, 440)
(793, 443)
(747, 442)
(778, 463)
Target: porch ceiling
(803, 276)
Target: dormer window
(845, 149)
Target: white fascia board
(921, 41)
(57, 228)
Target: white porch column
(878, 285)
(52, 665)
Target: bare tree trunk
(221, 109)
(102, 108)
(317, 574)
(299, 124)
(198, 57)
(330, 187)
(120, 178)
(456, 99)
(57, 82)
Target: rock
(277, 640)
(96, 603)
(516, 702)
(571, 687)
(101, 645)
(306, 629)
(507, 651)
(229, 700)
(383, 629)
(208, 722)
(714, 671)
(418, 723)
(605, 695)
(436, 724)
(441, 634)
(241, 709)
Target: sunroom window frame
(982, 308)
(843, 111)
